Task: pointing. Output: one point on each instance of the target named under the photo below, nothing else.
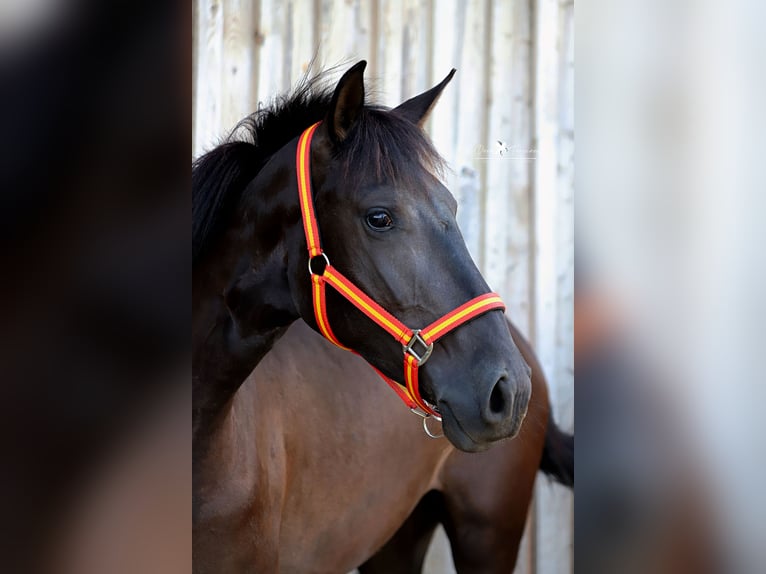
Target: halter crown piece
(417, 344)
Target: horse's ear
(416, 109)
(347, 102)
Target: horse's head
(388, 224)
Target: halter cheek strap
(417, 344)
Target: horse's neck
(241, 306)
(222, 360)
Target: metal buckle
(421, 358)
(327, 262)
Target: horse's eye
(379, 220)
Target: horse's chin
(459, 438)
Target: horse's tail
(558, 455)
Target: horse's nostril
(498, 399)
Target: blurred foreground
(94, 141)
(670, 287)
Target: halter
(417, 344)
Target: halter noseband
(417, 344)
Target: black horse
(389, 225)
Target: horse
(389, 225)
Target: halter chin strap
(417, 344)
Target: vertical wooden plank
(520, 256)
(303, 40)
(562, 397)
(473, 40)
(365, 16)
(416, 42)
(444, 56)
(210, 72)
(554, 550)
(256, 41)
(507, 226)
(499, 165)
(442, 125)
(546, 134)
(237, 56)
(337, 33)
(271, 53)
(390, 51)
(564, 391)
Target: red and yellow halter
(417, 344)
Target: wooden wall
(515, 61)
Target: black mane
(386, 142)
(220, 176)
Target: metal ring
(327, 261)
(428, 431)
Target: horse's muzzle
(502, 407)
